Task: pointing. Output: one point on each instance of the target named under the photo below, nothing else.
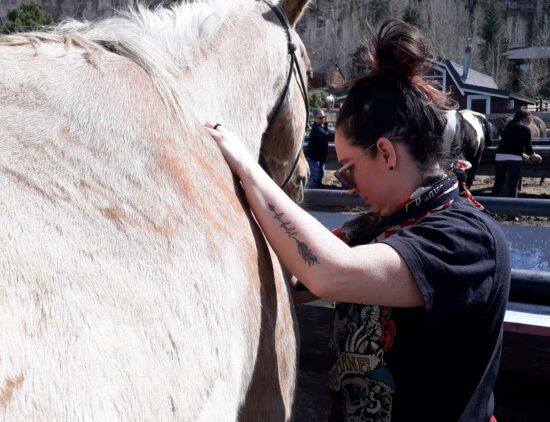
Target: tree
(315, 100)
(26, 17)
(360, 60)
(412, 15)
(471, 7)
(493, 42)
(535, 81)
(378, 10)
(542, 28)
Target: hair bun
(399, 50)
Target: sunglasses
(345, 174)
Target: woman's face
(373, 181)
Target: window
(479, 103)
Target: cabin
(475, 90)
(472, 89)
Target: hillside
(333, 29)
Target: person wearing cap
(317, 149)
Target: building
(471, 89)
(529, 68)
(475, 90)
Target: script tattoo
(307, 255)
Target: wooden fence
(540, 106)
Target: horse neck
(238, 78)
(216, 61)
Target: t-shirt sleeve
(451, 257)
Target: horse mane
(161, 41)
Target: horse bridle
(294, 68)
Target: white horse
(329, 101)
(135, 283)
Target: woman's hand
(232, 148)
(535, 159)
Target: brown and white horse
(536, 126)
(468, 133)
(135, 284)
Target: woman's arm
(325, 264)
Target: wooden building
(472, 89)
(475, 90)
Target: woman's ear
(388, 151)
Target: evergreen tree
(493, 42)
(471, 7)
(412, 15)
(26, 17)
(379, 10)
(359, 60)
(542, 28)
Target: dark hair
(393, 99)
(522, 116)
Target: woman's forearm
(298, 239)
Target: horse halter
(294, 68)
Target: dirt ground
(531, 188)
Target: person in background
(514, 148)
(316, 151)
(422, 279)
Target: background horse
(537, 126)
(499, 123)
(467, 133)
(135, 283)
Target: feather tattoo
(305, 252)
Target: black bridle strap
(294, 68)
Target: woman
(514, 148)
(422, 280)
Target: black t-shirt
(437, 362)
(516, 138)
(445, 355)
(317, 148)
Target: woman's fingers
(215, 126)
(214, 133)
(235, 153)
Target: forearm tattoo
(307, 254)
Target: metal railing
(527, 286)
(540, 146)
(504, 206)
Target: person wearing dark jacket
(514, 147)
(317, 149)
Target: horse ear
(294, 9)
